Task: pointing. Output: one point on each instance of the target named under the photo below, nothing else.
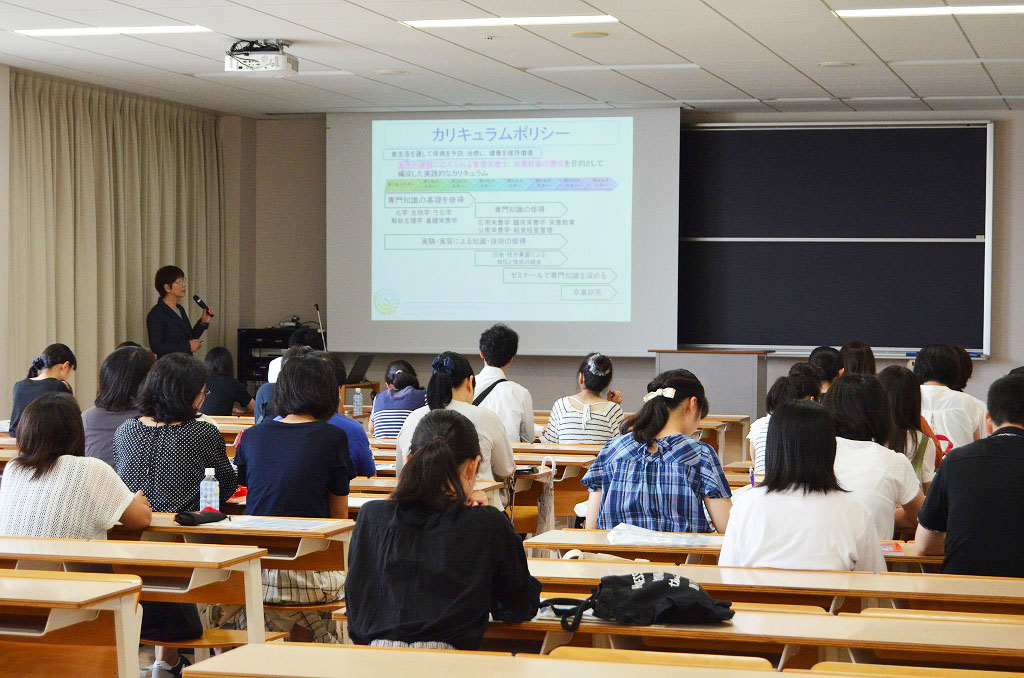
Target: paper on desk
(5, 425)
(273, 523)
(631, 535)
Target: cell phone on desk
(525, 470)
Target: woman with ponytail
(392, 407)
(451, 387)
(428, 565)
(587, 418)
(656, 475)
(49, 373)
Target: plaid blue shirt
(661, 491)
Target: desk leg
(787, 653)
(127, 627)
(254, 621)
(553, 639)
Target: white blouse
(79, 498)
(795, 531)
(958, 416)
(878, 478)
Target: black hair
(596, 369)
(1005, 401)
(219, 361)
(121, 375)
(401, 374)
(293, 352)
(127, 344)
(860, 407)
(498, 345)
(52, 355)
(798, 386)
(305, 336)
(170, 389)
(442, 442)
(904, 393)
(653, 415)
(1016, 371)
(800, 450)
(937, 362)
(337, 365)
(966, 366)
(858, 358)
(307, 386)
(167, 275)
(450, 371)
(810, 372)
(49, 427)
(828, 360)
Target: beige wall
(290, 219)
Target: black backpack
(644, 598)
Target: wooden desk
(740, 479)
(387, 485)
(596, 541)
(304, 660)
(293, 544)
(963, 642)
(739, 466)
(197, 566)
(789, 586)
(71, 599)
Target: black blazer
(170, 332)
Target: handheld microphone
(202, 304)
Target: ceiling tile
(808, 106)
(967, 104)
(995, 36)
(910, 104)
(686, 84)
(913, 37)
(947, 80)
(605, 85)
(1009, 78)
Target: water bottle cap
(359, 390)
(209, 471)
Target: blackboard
(797, 237)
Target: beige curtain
(105, 188)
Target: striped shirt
(663, 490)
(391, 408)
(591, 424)
(758, 437)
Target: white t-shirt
(795, 531)
(958, 416)
(79, 498)
(511, 402)
(878, 478)
(495, 450)
(758, 437)
(274, 369)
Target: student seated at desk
(121, 375)
(165, 453)
(957, 416)
(976, 502)
(910, 432)
(49, 373)
(226, 395)
(51, 490)
(392, 407)
(883, 481)
(509, 400)
(799, 518)
(656, 475)
(587, 418)
(358, 444)
(298, 466)
(451, 387)
(830, 362)
(858, 358)
(801, 384)
(263, 403)
(428, 565)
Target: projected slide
(512, 219)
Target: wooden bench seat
(213, 639)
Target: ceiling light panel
(512, 21)
(91, 31)
(942, 10)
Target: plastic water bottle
(209, 491)
(357, 402)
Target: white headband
(661, 392)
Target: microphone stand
(323, 335)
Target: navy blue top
(170, 332)
(291, 468)
(264, 407)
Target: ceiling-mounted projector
(265, 56)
